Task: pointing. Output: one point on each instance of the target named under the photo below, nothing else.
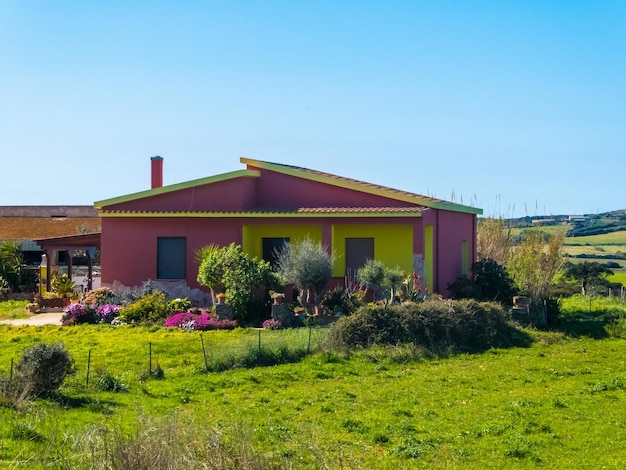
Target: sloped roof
(253, 167)
(30, 228)
(176, 187)
(370, 188)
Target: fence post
(88, 367)
(11, 374)
(258, 354)
(150, 365)
(206, 364)
(308, 348)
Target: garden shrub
(491, 282)
(236, 274)
(100, 296)
(151, 308)
(79, 313)
(42, 369)
(464, 325)
(339, 301)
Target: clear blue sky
(515, 107)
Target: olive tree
(308, 266)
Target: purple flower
(79, 313)
(108, 312)
(272, 324)
(199, 321)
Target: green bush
(151, 308)
(464, 325)
(105, 381)
(42, 369)
(490, 282)
(236, 274)
(339, 301)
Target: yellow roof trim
(260, 215)
(176, 187)
(362, 186)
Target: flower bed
(199, 321)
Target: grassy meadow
(13, 309)
(555, 404)
(597, 247)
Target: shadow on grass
(68, 402)
(577, 328)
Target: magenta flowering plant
(108, 312)
(199, 321)
(79, 313)
(272, 324)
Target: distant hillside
(578, 225)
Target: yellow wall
(252, 236)
(393, 245)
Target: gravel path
(47, 318)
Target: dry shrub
(167, 444)
(465, 325)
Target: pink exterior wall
(451, 228)
(129, 245)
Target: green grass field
(555, 404)
(13, 309)
(599, 245)
(613, 238)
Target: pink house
(154, 234)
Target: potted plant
(64, 287)
(278, 297)
(32, 307)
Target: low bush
(105, 381)
(150, 308)
(79, 313)
(42, 369)
(339, 301)
(464, 325)
(100, 296)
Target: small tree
(308, 266)
(587, 273)
(384, 281)
(535, 262)
(232, 271)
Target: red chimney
(157, 172)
